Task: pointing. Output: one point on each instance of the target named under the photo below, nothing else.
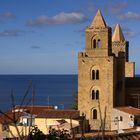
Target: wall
(129, 69)
(105, 85)
(126, 120)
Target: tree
(12, 119)
(58, 134)
(75, 101)
(36, 134)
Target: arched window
(93, 74)
(98, 43)
(94, 114)
(97, 94)
(93, 95)
(97, 74)
(94, 43)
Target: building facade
(102, 70)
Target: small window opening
(97, 74)
(94, 43)
(97, 94)
(99, 43)
(93, 94)
(94, 114)
(121, 118)
(93, 74)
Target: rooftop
(130, 110)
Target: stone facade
(102, 69)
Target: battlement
(82, 54)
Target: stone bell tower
(120, 45)
(97, 75)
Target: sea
(42, 90)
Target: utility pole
(48, 100)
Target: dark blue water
(55, 90)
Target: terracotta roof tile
(34, 109)
(9, 117)
(59, 114)
(130, 110)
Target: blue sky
(44, 36)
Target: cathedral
(106, 76)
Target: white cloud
(129, 16)
(116, 8)
(132, 34)
(61, 18)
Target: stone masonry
(102, 69)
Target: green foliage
(58, 135)
(75, 102)
(36, 134)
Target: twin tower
(102, 70)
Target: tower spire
(98, 21)
(118, 34)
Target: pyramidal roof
(98, 20)
(118, 34)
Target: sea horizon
(58, 89)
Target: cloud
(129, 33)
(129, 16)
(116, 8)
(61, 18)
(14, 32)
(35, 47)
(8, 15)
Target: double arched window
(95, 75)
(95, 95)
(96, 43)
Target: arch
(93, 42)
(94, 114)
(94, 72)
(97, 94)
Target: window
(93, 74)
(121, 118)
(95, 43)
(99, 43)
(28, 121)
(93, 94)
(97, 94)
(94, 114)
(97, 74)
